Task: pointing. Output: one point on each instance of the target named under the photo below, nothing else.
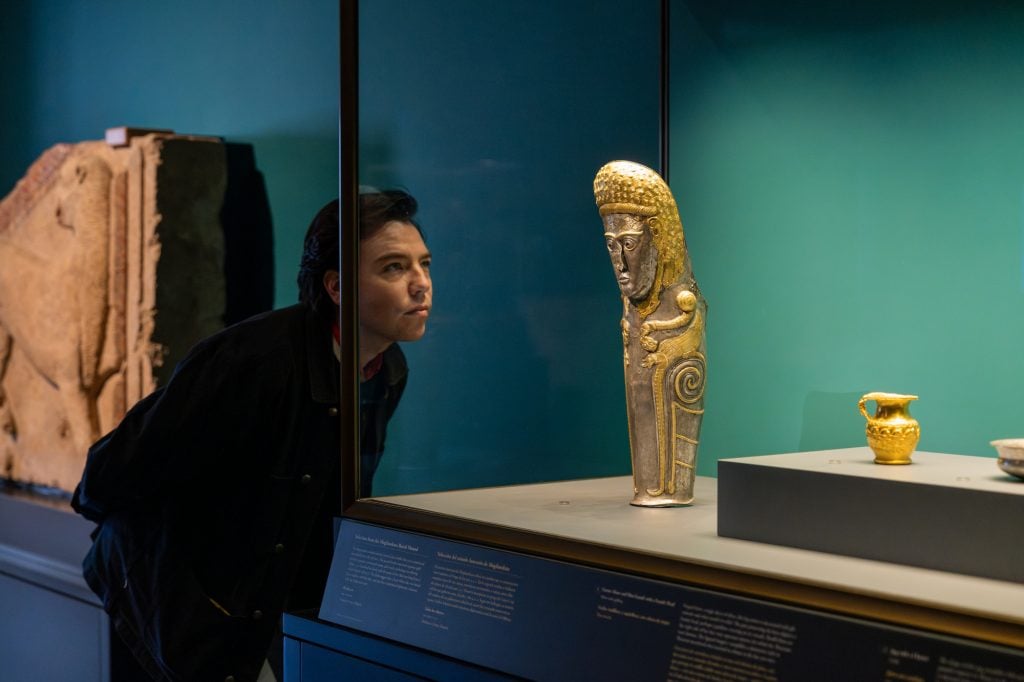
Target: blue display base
(544, 619)
(315, 650)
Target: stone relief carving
(88, 239)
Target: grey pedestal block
(944, 512)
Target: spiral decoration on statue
(688, 379)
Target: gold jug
(892, 432)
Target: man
(215, 495)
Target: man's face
(633, 254)
(394, 286)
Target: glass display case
(848, 179)
(496, 118)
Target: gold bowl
(1011, 455)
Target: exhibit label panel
(546, 619)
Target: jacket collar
(324, 371)
(395, 368)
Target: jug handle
(860, 406)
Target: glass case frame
(723, 578)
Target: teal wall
(263, 73)
(851, 179)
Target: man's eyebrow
(389, 255)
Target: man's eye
(629, 244)
(393, 267)
(610, 243)
(425, 264)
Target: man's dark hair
(320, 249)
(377, 209)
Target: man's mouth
(419, 311)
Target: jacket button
(306, 478)
(333, 411)
(257, 614)
(279, 548)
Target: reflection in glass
(395, 295)
(496, 117)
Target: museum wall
(261, 73)
(851, 176)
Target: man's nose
(419, 282)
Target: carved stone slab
(111, 266)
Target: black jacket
(211, 496)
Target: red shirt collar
(371, 368)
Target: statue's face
(633, 253)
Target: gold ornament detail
(663, 354)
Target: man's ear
(332, 282)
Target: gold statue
(663, 315)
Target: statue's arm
(686, 301)
(665, 325)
